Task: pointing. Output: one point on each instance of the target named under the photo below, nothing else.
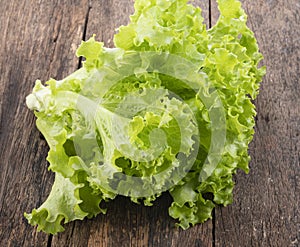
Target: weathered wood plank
(214, 12)
(266, 208)
(128, 224)
(38, 40)
(106, 16)
(204, 5)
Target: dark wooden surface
(38, 40)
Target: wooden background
(38, 39)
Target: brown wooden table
(38, 39)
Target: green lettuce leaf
(169, 109)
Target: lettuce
(169, 109)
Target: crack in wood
(214, 227)
(84, 32)
(49, 242)
(209, 14)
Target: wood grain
(38, 40)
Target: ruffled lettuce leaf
(169, 109)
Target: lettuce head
(169, 109)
